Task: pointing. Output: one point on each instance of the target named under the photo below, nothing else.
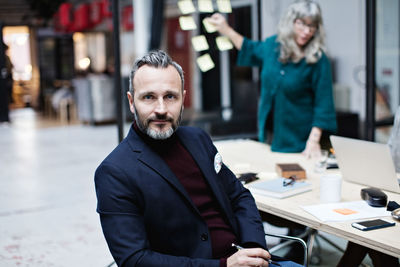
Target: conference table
(242, 155)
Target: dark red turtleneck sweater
(189, 174)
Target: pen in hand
(269, 260)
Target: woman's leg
(380, 259)
(353, 255)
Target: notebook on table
(367, 163)
(276, 188)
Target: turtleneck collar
(157, 145)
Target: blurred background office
(69, 46)
(63, 55)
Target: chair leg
(316, 257)
(310, 243)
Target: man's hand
(249, 257)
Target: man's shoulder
(126, 149)
(119, 152)
(195, 132)
(196, 139)
(191, 129)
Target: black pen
(269, 260)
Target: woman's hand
(312, 145)
(219, 22)
(249, 257)
(312, 148)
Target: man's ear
(130, 99)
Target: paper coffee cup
(330, 188)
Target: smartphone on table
(372, 224)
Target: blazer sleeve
(123, 224)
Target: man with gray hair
(156, 60)
(165, 198)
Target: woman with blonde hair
(296, 101)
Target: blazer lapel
(153, 161)
(207, 167)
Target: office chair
(312, 237)
(290, 240)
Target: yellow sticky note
(208, 26)
(224, 6)
(223, 43)
(205, 6)
(187, 23)
(205, 63)
(200, 43)
(186, 6)
(345, 211)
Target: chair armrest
(292, 239)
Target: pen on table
(269, 260)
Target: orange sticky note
(345, 211)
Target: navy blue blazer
(148, 218)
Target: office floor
(47, 198)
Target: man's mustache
(161, 117)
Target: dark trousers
(354, 255)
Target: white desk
(250, 156)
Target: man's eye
(170, 96)
(148, 97)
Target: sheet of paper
(187, 23)
(223, 43)
(224, 6)
(345, 211)
(186, 6)
(200, 43)
(205, 6)
(208, 26)
(205, 63)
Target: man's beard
(143, 125)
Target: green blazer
(299, 94)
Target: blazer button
(204, 237)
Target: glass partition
(387, 66)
